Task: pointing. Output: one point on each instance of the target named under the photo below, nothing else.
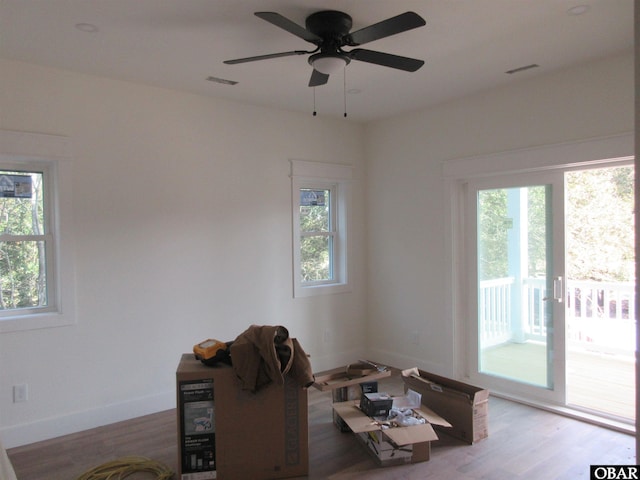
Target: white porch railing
(494, 310)
(599, 316)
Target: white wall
(409, 248)
(182, 229)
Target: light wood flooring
(524, 443)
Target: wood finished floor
(523, 443)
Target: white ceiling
(467, 46)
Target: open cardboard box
(392, 446)
(465, 406)
(347, 382)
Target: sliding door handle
(558, 291)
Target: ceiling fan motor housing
(330, 25)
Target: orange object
(208, 349)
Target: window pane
(21, 203)
(513, 280)
(315, 258)
(22, 275)
(314, 210)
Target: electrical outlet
(415, 338)
(20, 393)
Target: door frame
(610, 150)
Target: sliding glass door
(543, 274)
(517, 284)
(551, 287)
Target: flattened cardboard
(432, 417)
(354, 417)
(261, 436)
(465, 406)
(409, 435)
(346, 376)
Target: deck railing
(599, 316)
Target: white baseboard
(23, 434)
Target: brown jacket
(264, 354)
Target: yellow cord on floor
(125, 466)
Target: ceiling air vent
(522, 69)
(223, 81)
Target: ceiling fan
(329, 30)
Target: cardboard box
(392, 446)
(226, 433)
(351, 392)
(465, 406)
(348, 383)
(386, 453)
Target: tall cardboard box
(465, 406)
(226, 433)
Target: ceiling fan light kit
(329, 31)
(328, 63)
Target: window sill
(315, 290)
(35, 321)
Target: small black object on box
(369, 387)
(376, 404)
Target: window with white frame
(36, 266)
(320, 199)
(26, 240)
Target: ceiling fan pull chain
(314, 102)
(344, 91)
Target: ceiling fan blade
(386, 59)
(290, 26)
(318, 78)
(265, 57)
(391, 26)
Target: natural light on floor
(596, 381)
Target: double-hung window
(317, 235)
(320, 199)
(26, 242)
(37, 280)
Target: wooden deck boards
(595, 381)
